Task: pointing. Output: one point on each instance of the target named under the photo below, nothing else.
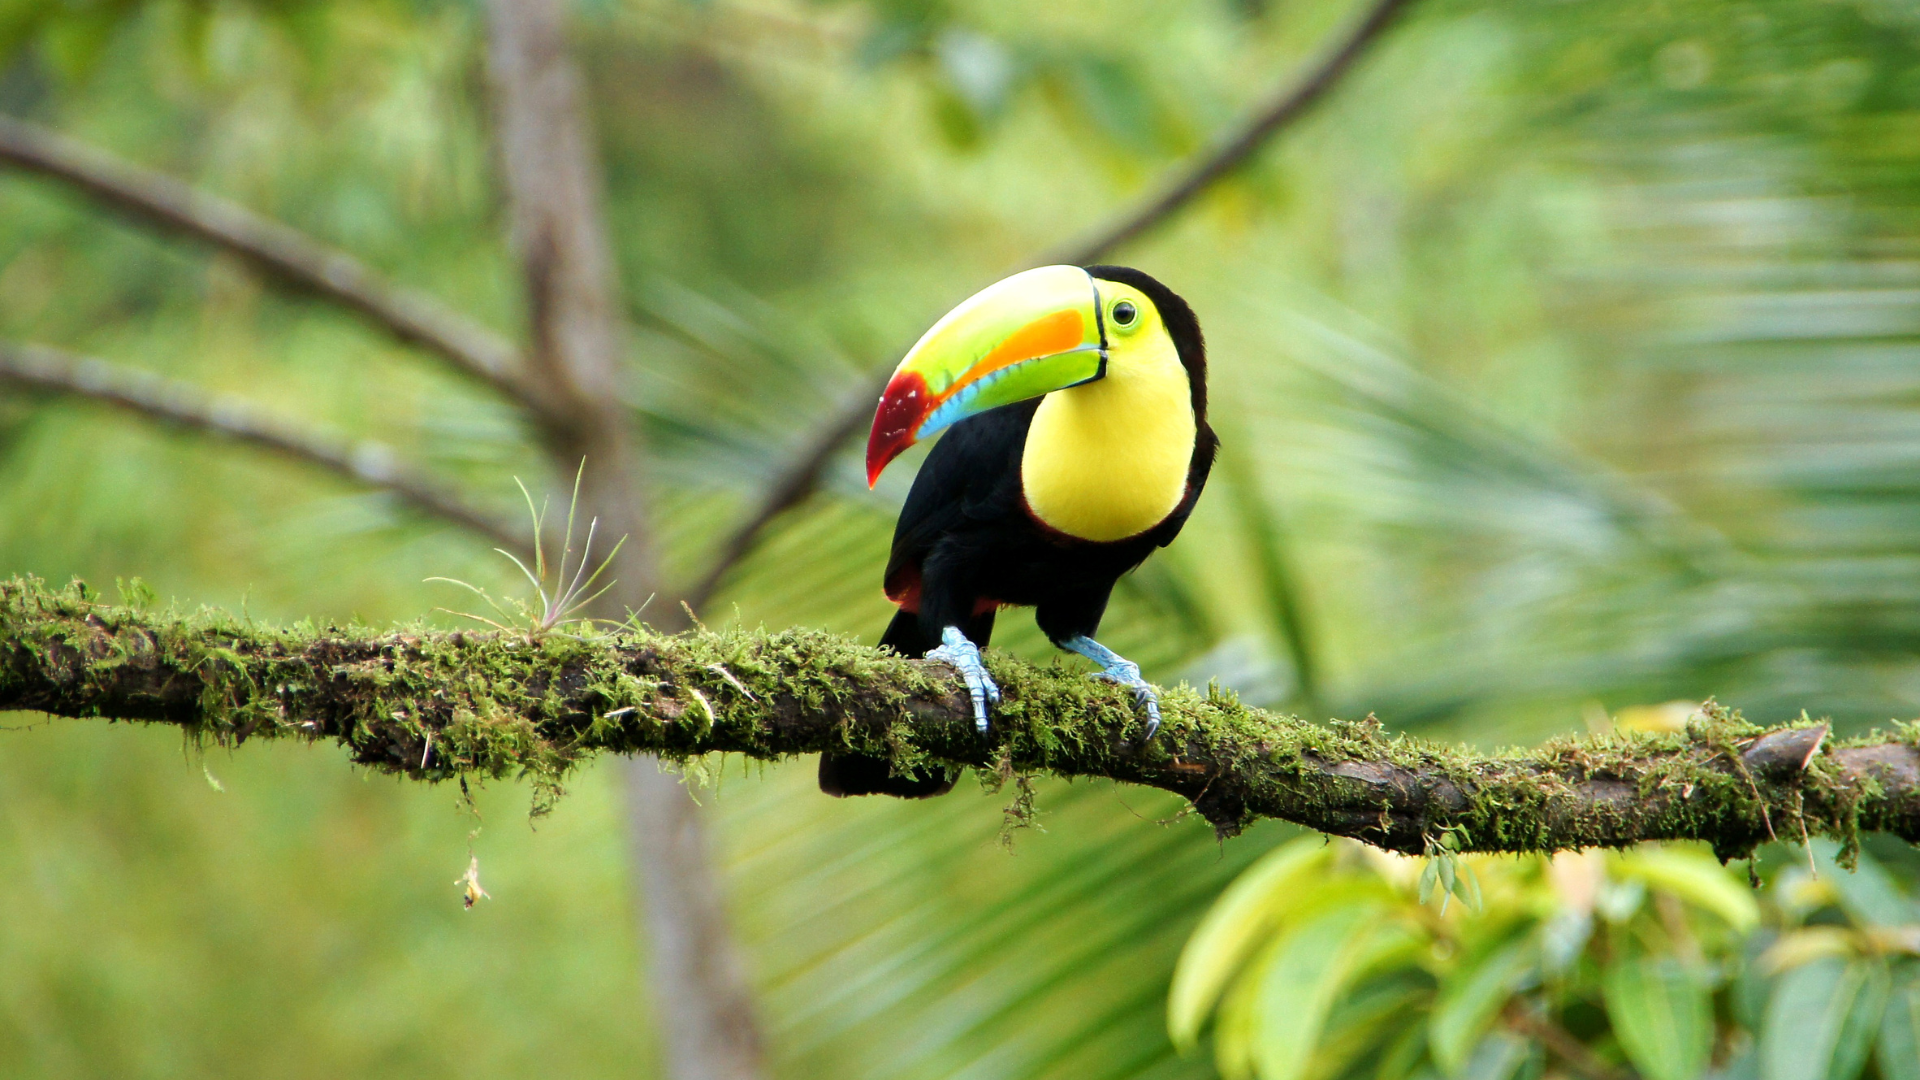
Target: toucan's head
(1031, 334)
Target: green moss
(462, 705)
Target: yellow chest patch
(1109, 459)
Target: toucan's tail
(844, 774)
(905, 637)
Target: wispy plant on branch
(572, 587)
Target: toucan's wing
(971, 476)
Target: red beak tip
(879, 456)
(902, 407)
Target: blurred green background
(1566, 360)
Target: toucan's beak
(1031, 334)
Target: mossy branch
(437, 705)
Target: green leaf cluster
(1418, 985)
(1841, 980)
(1328, 961)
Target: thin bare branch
(1237, 146)
(1183, 184)
(362, 461)
(277, 249)
(789, 489)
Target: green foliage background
(1565, 362)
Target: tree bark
(552, 173)
(436, 706)
(552, 179)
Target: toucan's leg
(1118, 669)
(845, 772)
(1070, 619)
(955, 649)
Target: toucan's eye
(1125, 314)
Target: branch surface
(279, 250)
(439, 705)
(1182, 185)
(362, 461)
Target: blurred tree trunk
(703, 1010)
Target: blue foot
(964, 655)
(1115, 668)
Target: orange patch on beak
(1049, 334)
(908, 400)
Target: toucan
(1074, 401)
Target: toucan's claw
(1115, 668)
(964, 655)
(1127, 674)
(1146, 695)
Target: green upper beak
(1031, 334)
